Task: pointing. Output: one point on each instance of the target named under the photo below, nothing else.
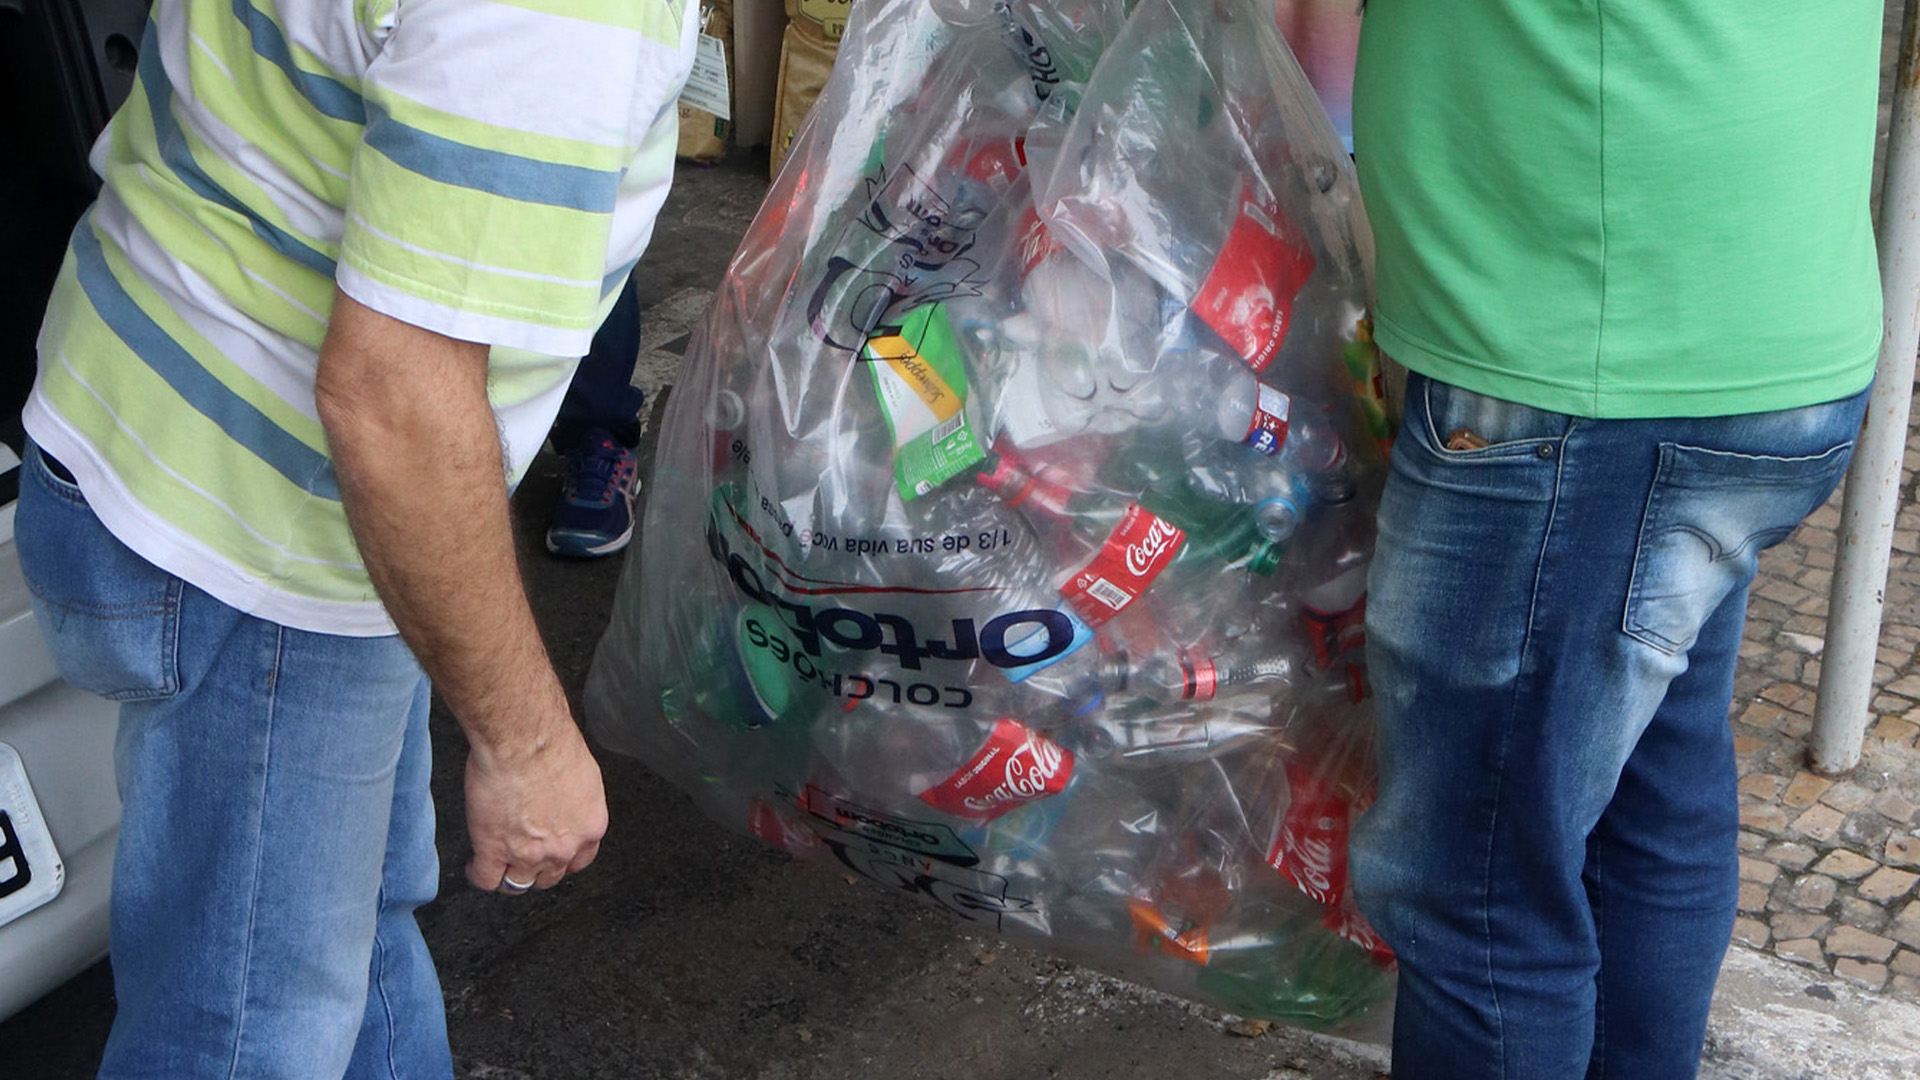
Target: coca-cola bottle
(1302, 798)
(1108, 551)
(1182, 606)
(1043, 488)
(1201, 675)
(1149, 468)
(909, 758)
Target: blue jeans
(277, 831)
(1553, 621)
(602, 394)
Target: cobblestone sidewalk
(1828, 867)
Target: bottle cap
(1277, 517)
(1266, 558)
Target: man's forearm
(418, 454)
(415, 444)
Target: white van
(63, 65)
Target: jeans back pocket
(110, 618)
(1709, 515)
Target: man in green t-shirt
(1625, 250)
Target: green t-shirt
(1625, 208)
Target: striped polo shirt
(486, 169)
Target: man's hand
(418, 454)
(535, 814)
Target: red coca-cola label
(1248, 296)
(1016, 765)
(1140, 547)
(1354, 927)
(1310, 847)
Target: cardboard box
(827, 16)
(703, 136)
(806, 60)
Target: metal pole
(1872, 495)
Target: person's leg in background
(597, 430)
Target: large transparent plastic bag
(1008, 533)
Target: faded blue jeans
(277, 831)
(1553, 621)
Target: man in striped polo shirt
(317, 323)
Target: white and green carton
(922, 384)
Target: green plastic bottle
(1304, 974)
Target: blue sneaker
(595, 515)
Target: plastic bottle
(726, 410)
(1314, 451)
(912, 759)
(1302, 798)
(1198, 677)
(1175, 550)
(1084, 343)
(1151, 469)
(1048, 386)
(1274, 496)
(1188, 603)
(1334, 614)
(1149, 734)
(725, 417)
(995, 869)
(1108, 550)
(1273, 967)
(1238, 408)
(1226, 401)
(1076, 857)
(1042, 488)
